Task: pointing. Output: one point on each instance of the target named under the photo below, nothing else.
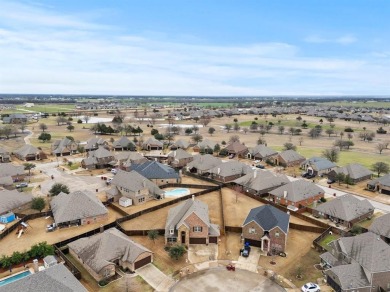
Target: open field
(43, 108)
(377, 104)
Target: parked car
(310, 175)
(260, 166)
(51, 227)
(231, 156)
(305, 174)
(330, 181)
(245, 251)
(310, 287)
(114, 170)
(22, 185)
(109, 180)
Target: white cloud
(342, 40)
(68, 54)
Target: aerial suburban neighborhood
(176, 189)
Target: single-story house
(261, 182)
(94, 143)
(238, 149)
(4, 155)
(357, 263)
(124, 143)
(266, 227)
(381, 226)
(14, 201)
(205, 144)
(55, 278)
(180, 144)
(356, 172)
(125, 159)
(261, 152)
(15, 119)
(28, 153)
(189, 223)
(64, 147)
(318, 166)
(100, 158)
(287, 158)
(157, 172)
(10, 173)
(229, 171)
(99, 254)
(179, 158)
(77, 208)
(381, 184)
(345, 210)
(152, 144)
(133, 186)
(202, 164)
(296, 193)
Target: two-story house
(179, 158)
(99, 158)
(64, 147)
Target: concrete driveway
(219, 279)
(155, 278)
(251, 262)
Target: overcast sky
(197, 47)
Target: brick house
(10, 173)
(261, 152)
(287, 158)
(100, 254)
(152, 144)
(238, 149)
(381, 184)
(64, 147)
(156, 172)
(358, 263)
(381, 226)
(180, 144)
(229, 171)
(94, 143)
(202, 164)
(266, 227)
(205, 144)
(14, 201)
(297, 193)
(123, 143)
(28, 153)
(318, 166)
(189, 223)
(355, 171)
(179, 158)
(4, 155)
(345, 210)
(99, 158)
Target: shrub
(79, 121)
(348, 130)
(323, 200)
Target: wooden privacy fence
(75, 271)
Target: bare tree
(234, 138)
(245, 130)
(380, 147)
(228, 127)
(22, 127)
(205, 120)
(86, 118)
(43, 127)
(300, 140)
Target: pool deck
(31, 270)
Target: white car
(114, 170)
(310, 287)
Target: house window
(171, 231)
(277, 234)
(252, 231)
(140, 200)
(172, 239)
(197, 229)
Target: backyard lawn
(327, 239)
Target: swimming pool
(14, 278)
(177, 192)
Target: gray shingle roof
(181, 143)
(177, 215)
(346, 207)
(319, 163)
(204, 162)
(153, 141)
(27, 150)
(268, 217)
(262, 151)
(54, 279)
(101, 152)
(231, 168)
(69, 207)
(59, 146)
(13, 199)
(350, 276)
(94, 143)
(262, 180)
(9, 169)
(384, 180)
(236, 147)
(291, 155)
(122, 142)
(298, 190)
(155, 170)
(381, 225)
(354, 170)
(179, 154)
(134, 181)
(104, 248)
(206, 143)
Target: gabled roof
(297, 190)
(134, 181)
(231, 168)
(262, 151)
(177, 215)
(367, 249)
(56, 278)
(9, 169)
(204, 162)
(291, 155)
(58, 146)
(354, 170)
(104, 248)
(76, 205)
(236, 147)
(268, 217)
(262, 180)
(381, 225)
(384, 180)
(350, 276)
(346, 207)
(27, 150)
(179, 154)
(181, 143)
(152, 141)
(94, 143)
(319, 163)
(101, 152)
(3, 151)
(206, 143)
(155, 170)
(130, 156)
(13, 199)
(123, 142)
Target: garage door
(253, 242)
(386, 192)
(213, 240)
(142, 262)
(197, 240)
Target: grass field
(47, 108)
(381, 104)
